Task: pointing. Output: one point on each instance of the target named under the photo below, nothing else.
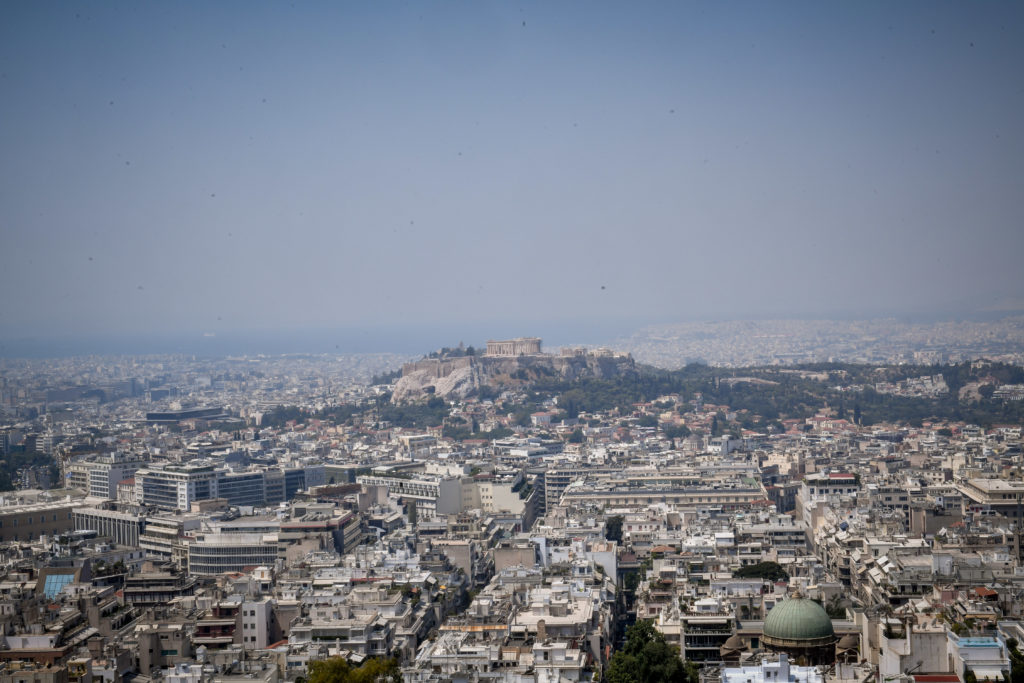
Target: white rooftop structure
(772, 672)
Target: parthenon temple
(523, 346)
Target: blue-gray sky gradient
(222, 167)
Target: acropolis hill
(508, 363)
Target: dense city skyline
(528, 343)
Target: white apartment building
(437, 495)
(256, 623)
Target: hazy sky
(221, 167)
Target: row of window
(215, 551)
(29, 520)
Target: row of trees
(338, 670)
(429, 414)
(463, 433)
(12, 462)
(791, 395)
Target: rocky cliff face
(459, 378)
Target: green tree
(13, 462)
(646, 658)
(570, 403)
(387, 377)
(576, 436)
(1016, 661)
(281, 415)
(692, 672)
(430, 414)
(772, 571)
(338, 670)
(676, 432)
(522, 418)
(835, 608)
(410, 592)
(613, 528)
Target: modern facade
(176, 487)
(216, 553)
(179, 486)
(123, 528)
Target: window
(55, 583)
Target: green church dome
(798, 622)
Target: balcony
(215, 642)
